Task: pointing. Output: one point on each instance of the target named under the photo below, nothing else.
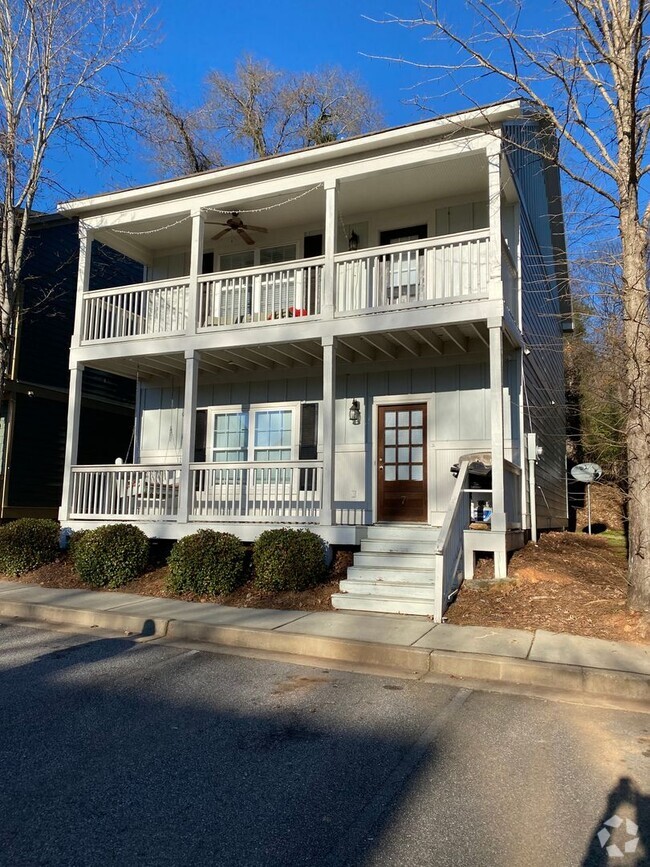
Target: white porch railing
(430, 271)
(260, 294)
(124, 492)
(135, 311)
(449, 556)
(288, 491)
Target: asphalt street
(118, 752)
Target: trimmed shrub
(206, 562)
(111, 555)
(28, 543)
(288, 560)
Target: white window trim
(252, 409)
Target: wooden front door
(402, 463)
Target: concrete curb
(526, 672)
(131, 623)
(407, 659)
(421, 661)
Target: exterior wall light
(353, 241)
(354, 413)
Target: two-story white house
(320, 336)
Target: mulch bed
(567, 582)
(61, 574)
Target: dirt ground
(567, 582)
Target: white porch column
(83, 279)
(496, 428)
(329, 250)
(196, 261)
(329, 427)
(72, 437)
(185, 491)
(495, 283)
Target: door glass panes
(230, 438)
(272, 435)
(404, 446)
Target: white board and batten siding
(458, 395)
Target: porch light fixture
(353, 243)
(354, 413)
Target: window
(273, 429)
(263, 434)
(461, 218)
(230, 437)
(273, 255)
(236, 261)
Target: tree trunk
(636, 335)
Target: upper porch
(409, 234)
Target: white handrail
(449, 553)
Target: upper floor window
(273, 255)
(235, 261)
(461, 218)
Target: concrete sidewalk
(405, 644)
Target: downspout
(531, 451)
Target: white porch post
(329, 250)
(196, 261)
(72, 437)
(185, 492)
(495, 284)
(498, 522)
(329, 427)
(83, 280)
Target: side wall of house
(543, 367)
(458, 396)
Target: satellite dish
(586, 473)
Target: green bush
(206, 563)
(27, 544)
(111, 555)
(288, 560)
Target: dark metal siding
(35, 461)
(544, 400)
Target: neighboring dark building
(34, 410)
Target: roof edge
(470, 119)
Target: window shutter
(200, 435)
(308, 446)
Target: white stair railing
(449, 556)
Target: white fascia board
(295, 160)
(250, 190)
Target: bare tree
(256, 112)
(177, 136)
(61, 77)
(588, 81)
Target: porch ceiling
(370, 348)
(397, 188)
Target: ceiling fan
(236, 224)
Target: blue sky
(292, 35)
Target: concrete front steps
(394, 573)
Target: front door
(401, 464)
